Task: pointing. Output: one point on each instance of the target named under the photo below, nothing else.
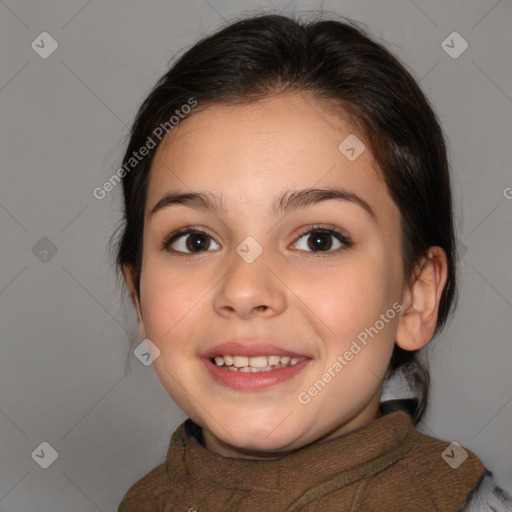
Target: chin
(260, 447)
(263, 438)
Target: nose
(250, 289)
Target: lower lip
(253, 381)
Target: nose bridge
(250, 285)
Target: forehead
(257, 150)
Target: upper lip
(249, 347)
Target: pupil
(195, 242)
(318, 239)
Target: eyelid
(185, 230)
(336, 233)
(323, 227)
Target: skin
(315, 305)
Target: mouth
(252, 366)
(255, 364)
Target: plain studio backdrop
(73, 74)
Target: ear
(417, 323)
(130, 282)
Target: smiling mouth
(254, 364)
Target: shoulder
(432, 456)
(443, 465)
(151, 493)
(144, 495)
(489, 496)
(441, 473)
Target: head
(310, 173)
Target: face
(274, 309)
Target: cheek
(348, 298)
(167, 301)
(350, 303)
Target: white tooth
(244, 369)
(232, 369)
(228, 360)
(219, 360)
(256, 370)
(294, 361)
(240, 361)
(258, 361)
(273, 360)
(284, 360)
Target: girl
(289, 248)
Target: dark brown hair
(334, 60)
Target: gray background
(65, 331)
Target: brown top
(387, 465)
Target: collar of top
(344, 459)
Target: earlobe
(417, 323)
(130, 282)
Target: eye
(188, 240)
(320, 240)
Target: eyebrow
(287, 202)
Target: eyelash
(317, 228)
